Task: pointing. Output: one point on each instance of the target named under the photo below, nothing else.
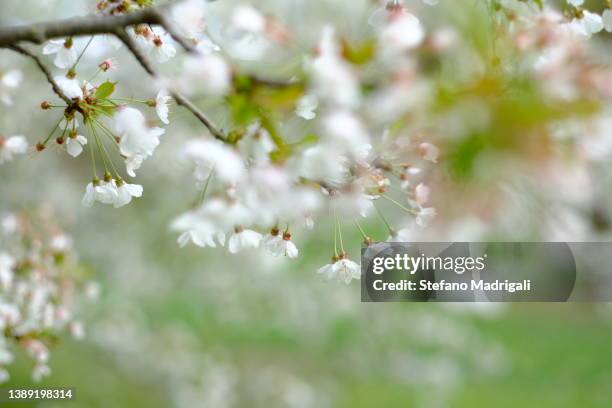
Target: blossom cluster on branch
(403, 115)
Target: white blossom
(403, 33)
(242, 239)
(162, 51)
(347, 134)
(280, 245)
(137, 140)
(247, 18)
(125, 193)
(65, 54)
(197, 229)
(421, 194)
(209, 73)
(327, 271)
(161, 105)
(346, 270)
(90, 195)
(70, 87)
(321, 163)
(429, 152)
(342, 270)
(74, 145)
(588, 24)
(190, 16)
(333, 80)
(214, 156)
(116, 193)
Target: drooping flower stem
(205, 189)
(52, 132)
(106, 131)
(384, 220)
(340, 235)
(363, 234)
(81, 54)
(408, 210)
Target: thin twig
(178, 97)
(44, 69)
(176, 36)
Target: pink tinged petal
(421, 194)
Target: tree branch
(178, 97)
(87, 25)
(115, 25)
(44, 70)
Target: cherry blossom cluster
(40, 289)
(358, 123)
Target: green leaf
(243, 110)
(306, 140)
(105, 90)
(359, 54)
(277, 98)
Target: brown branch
(87, 25)
(116, 25)
(178, 97)
(44, 70)
(176, 36)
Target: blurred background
(197, 328)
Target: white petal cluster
(190, 17)
(70, 87)
(280, 245)
(333, 80)
(157, 44)
(213, 156)
(74, 144)
(403, 33)
(342, 270)
(242, 239)
(37, 298)
(137, 140)
(207, 73)
(587, 25)
(112, 192)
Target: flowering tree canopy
(430, 114)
